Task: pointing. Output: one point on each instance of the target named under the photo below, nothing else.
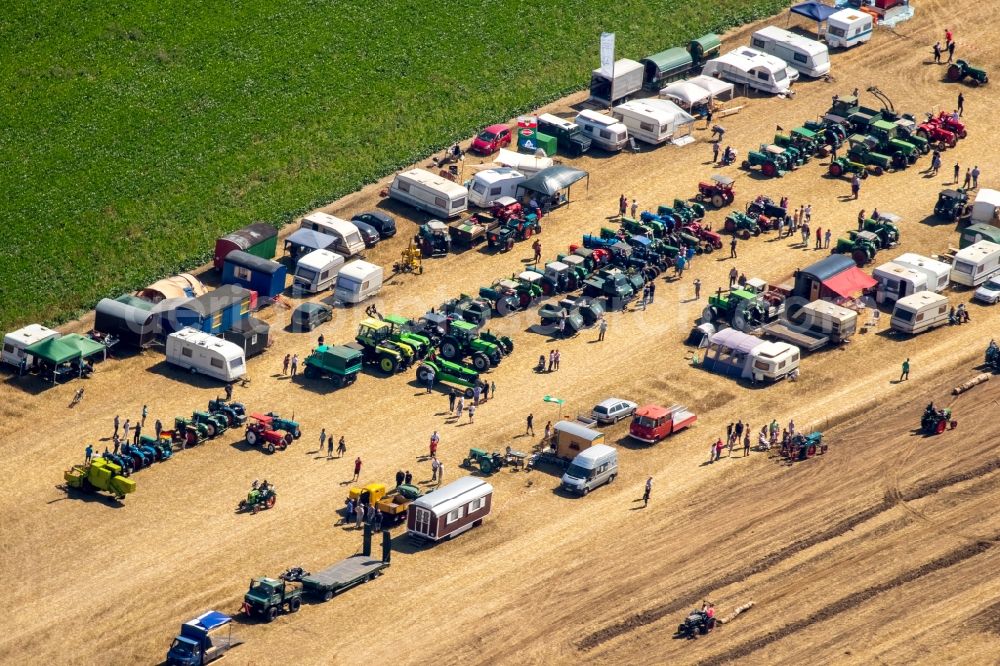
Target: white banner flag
(608, 53)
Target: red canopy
(849, 282)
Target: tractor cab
(367, 495)
(433, 325)
(843, 107)
(434, 238)
(556, 277)
(908, 130)
(577, 265)
(951, 204)
(718, 190)
(474, 310)
(374, 331)
(805, 138)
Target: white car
(612, 410)
(989, 291)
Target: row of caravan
(910, 273)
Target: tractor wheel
(523, 300)
(860, 257)
(962, 133)
(709, 315)
(745, 164)
(811, 451)
(548, 288)
(709, 247)
(269, 502)
(294, 605)
(269, 446)
(756, 231)
(449, 348)
(730, 226)
(387, 364)
(211, 429)
(271, 614)
(952, 141)
(468, 394)
(922, 133)
(744, 234)
(310, 372)
(481, 362)
(528, 231)
(718, 200)
(424, 374)
(252, 437)
(769, 169)
(940, 427)
(836, 170)
(955, 73)
(287, 439)
(297, 433)
(879, 170)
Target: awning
(552, 180)
(716, 87)
(53, 350)
(84, 346)
(738, 341)
(814, 11)
(687, 94)
(850, 282)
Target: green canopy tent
(85, 345)
(54, 352)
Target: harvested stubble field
(133, 136)
(881, 551)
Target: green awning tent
(53, 351)
(84, 345)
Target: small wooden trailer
(450, 510)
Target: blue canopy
(814, 11)
(211, 620)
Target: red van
(651, 423)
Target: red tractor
(945, 120)
(718, 190)
(701, 232)
(935, 134)
(260, 433)
(505, 209)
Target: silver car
(612, 410)
(989, 292)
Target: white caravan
(919, 312)
(357, 281)
(433, 194)
(753, 69)
(348, 239)
(489, 185)
(896, 281)
(14, 343)
(984, 209)
(848, 28)
(975, 264)
(653, 121)
(938, 272)
(604, 131)
(206, 354)
(807, 56)
(317, 271)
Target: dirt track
(876, 552)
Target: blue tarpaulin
(814, 11)
(211, 620)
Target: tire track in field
(657, 613)
(950, 559)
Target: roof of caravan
(771, 348)
(735, 340)
(320, 259)
(430, 180)
(844, 15)
(829, 266)
(208, 341)
(747, 58)
(253, 262)
(359, 269)
(977, 251)
(309, 238)
(826, 307)
(989, 196)
(890, 267)
(811, 46)
(662, 109)
(497, 174)
(521, 161)
(600, 118)
(914, 259)
(31, 334)
(921, 298)
(456, 493)
(578, 430)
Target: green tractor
(216, 424)
(641, 228)
(685, 211)
(742, 309)
(377, 347)
(288, 425)
(486, 461)
(189, 432)
(863, 151)
(886, 134)
(505, 344)
(861, 245)
(742, 225)
(886, 230)
(463, 339)
(796, 154)
(909, 131)
(773, 161)
(443, 371)
(962, 69)
(519, 292)
(401, 332)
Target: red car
(491, 139)
(652, 423)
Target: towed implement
(449, 373)
(99, 475)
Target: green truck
(338, 363)
(269, 596)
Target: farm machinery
(950, 123)
(861, 245)
(887, 142)
(518, 292)
(741, 225)
(885, 230)
(392, 503)
(612, 283)
(215, 424)
(773, 161)
(935, 421)
(576, 312)
(742, 309)
(400, 332)
(801, 446)
(682, 212)
(952, 205)
(468, 308)
(487, 462)
(288, 425)
(718, 190)
(338, 363)
(804, 140)
(463, 339)
(447, 372)
(260, 498)
(188, 432)
(768, 215)
(380, 348)
(961, 70)
(697, 623)
(559, 277)
(433, 238)
(993, 357)
(262, 432)
(410, 260)
(99, 474)
(647, 225)
(235, 413)
(512, 224)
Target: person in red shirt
(947, 37)
(357, 468)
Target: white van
(919, 312)
(807, 56)
(847, 28)
(937, 272)
(357, 281)
(317, 271)
(984, 209)
(14, 343)
(591, 468)
(975, 264)
(896, 281)
(753, 69)
(432, 194)
(348, 239)
(604, 131)
(206, 354)
(649, 121)
(830, 319)
(488, 186)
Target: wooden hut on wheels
(213, 312)
(264, 276)
(450, 510)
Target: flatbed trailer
(349, 572)
(802, 339)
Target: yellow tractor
(410, 260)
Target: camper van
(975, 264)
(604, 131)
(205, 354)
(830, 319)
(357, 281)
(348, 240)
(650, 120)
(15, 343)
(984, 209)
(773, 361)
(807, 56)
(591, 468)
(753, 69)
(432, 194)
(569, 137)
(488, 186)
(919, 312)
(317, 271)
(937, 272)
(847, 28)
(896, 281)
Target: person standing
(548, 431)
(646, 492)
(477, 392)
(460, 406)
(968, 179)
(951, 51)
(956, 171)
(493, 389)
(733, 275)
(359, 514)
(452, 395)
(88, 453)
(341, 447)
(635, 208)
(229, 391)
(715, 152)
(681, 264)
(329, 447)
(855, 186)
(138, 432)
(819, 238)
(906, 370)
(357, 468)
(435, 440)
(718, 449)
(861, 220)
(117, 422)
(145, 413)
(729, 431)
(295, 364)
(947, 36)
(552, 359)
(408, 478)
(652, 291)
(826, 239)
(697, 289)
(322, 439)
(472, 412)
(746, 443)
(530, 430)
(732, 248)
(975, 177)
(937, 53)
(602, 329)
(961, 110)
(537, 247)
(434, 469)
(738, 429)
(284, 364)
(126, 428)
(399, 478)
(622, 205)
(158, 428)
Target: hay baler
(99, 475)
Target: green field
(132, 136)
